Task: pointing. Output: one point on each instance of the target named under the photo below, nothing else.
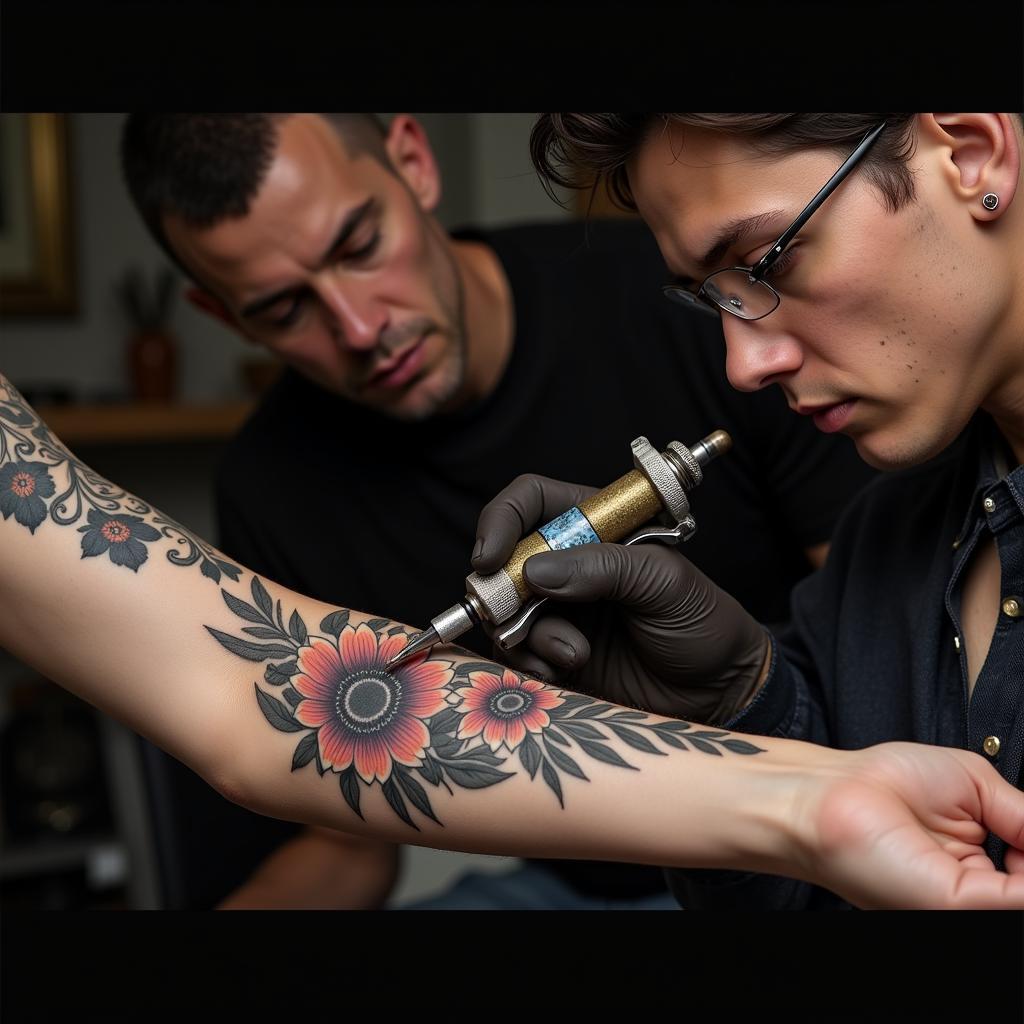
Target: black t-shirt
(359, 510)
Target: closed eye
(366, 250)
(289, 315)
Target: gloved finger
(529, 501)
(648, 577)
(558, 642)
(522, 659)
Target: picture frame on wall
(37, 259)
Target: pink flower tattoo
(504, 710)
(364, 714)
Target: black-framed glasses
(743, 291)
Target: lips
(829, 418)
(398, 369)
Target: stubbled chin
(888, 451)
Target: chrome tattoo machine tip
(419, 643)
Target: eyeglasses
(742, 291)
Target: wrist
(778, 805)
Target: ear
(410, 153)
(212, 306)
(984, 153)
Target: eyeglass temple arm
(765, 262)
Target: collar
(989, 449)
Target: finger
(527, 502)
(1002, 804)
(559, 643)
(640, 576)
(987, 890)
(522, 659)
(1015, 862)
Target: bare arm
(284, 705)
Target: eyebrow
(729, 234)
(351, 221)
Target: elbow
(230, 784)
(223, 765)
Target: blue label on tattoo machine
(569, 530)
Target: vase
(153, 366)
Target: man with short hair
(478, 356)
(872, 266)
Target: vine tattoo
(431, 720)
(117, 524)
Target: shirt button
(991, 745)
(989, 505)
(1012, 606)
(956, 642)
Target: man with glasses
(890, 310)
(458, 361)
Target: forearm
(229, 674)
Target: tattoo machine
(657, 487)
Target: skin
(398, 278)
(866, 311)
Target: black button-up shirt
(874, 651)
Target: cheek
(880, 319)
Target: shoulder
(575, 244)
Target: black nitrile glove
(663, 638)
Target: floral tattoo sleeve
(114, 523)
(456, 724)
(432, 722)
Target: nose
(758, 353)
(356, 315)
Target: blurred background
(95, 333)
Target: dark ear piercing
(990, 200)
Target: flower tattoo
(451, 723)
(23, 486)
(121, 536)
(365, 715)
(504, 709)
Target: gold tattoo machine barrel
(656, 489)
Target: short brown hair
(207, 168)
(581, 151)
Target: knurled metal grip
(689, 460)
(452, 623)
(496, 592)
(663, 480)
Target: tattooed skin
(451, 724)
(34, 464)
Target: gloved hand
(663, 638)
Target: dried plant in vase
(152, 351)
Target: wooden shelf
(145, 422)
